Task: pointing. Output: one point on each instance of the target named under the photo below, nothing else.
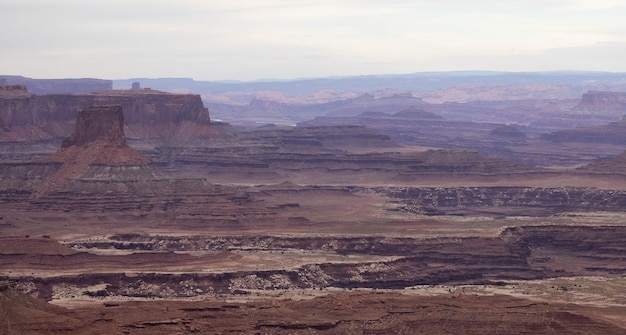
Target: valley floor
(291, 259)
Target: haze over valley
(298, 167)
(404, 197)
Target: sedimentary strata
(175, 267)
(30, 123)
(501, 200)
(341, 312)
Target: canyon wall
(32, 126)
(53, 112)
(139, 107)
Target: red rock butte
(98, 139)
(104, 123)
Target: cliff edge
(151, 117)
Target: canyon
(134, 212)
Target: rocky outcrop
(104, 123)
(150, 106)
(29, 124)
(602, 103)
(597, 103)
(98, 140)
(13, 98)
(140, 107)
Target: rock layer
(518, 253)
(338, 313)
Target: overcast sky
(256, 39)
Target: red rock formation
(140, 107)
(597, 102)
(12, 99)
(104, 123)
(161, 118)
(98, 140)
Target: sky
(286, 39)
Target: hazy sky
(253, 39)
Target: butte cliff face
(603, 103)
(13, 98)
(104, 123)
(140, 107)
(31, 126)
(98, 138)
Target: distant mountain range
(420, 81)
